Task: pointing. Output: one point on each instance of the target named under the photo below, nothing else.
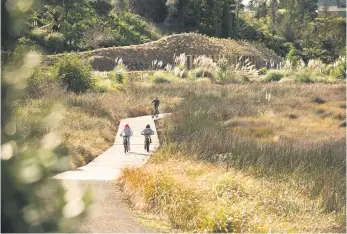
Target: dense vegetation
(227, 151)
(31, 155)
(290, 28)
(58, 26)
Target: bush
(318, 100)
(303, 78)
(262, 71)
(160, 80)
(74, 73)
(120, 74)
(41, 78)
(293, 56)
(38, 35)
(103, 86)
(162, 77)
(340, 71)
(244, 79)
(24, 45)
(104, 82)
(223, 70)
(54, 42)
(30, 200)
(128, 28)
(273, 76)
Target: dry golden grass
(285, 154)
(89, 121)
(285, 160)
(197, 196)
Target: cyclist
(155, 104)
(127, 132)
(147, 132)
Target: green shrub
(162, 77)
(104, 83)
(277, 44)
(54, 42)
(273, 76)
(38, 35)
(340, 70)
(304, 78)
(129, 28)
(74, 73)
(223, 67)
(41, 78)
(160, 80)
(30, 200)
(328, 69)
(293, 56)
(23, 46)
(262, 71)
(101, 87)
(120, 74)
(244, 79)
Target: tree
(259, 7)
(26, 167)
(273, 10)
(229, 19)
(56, 15)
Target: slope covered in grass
(165, 48)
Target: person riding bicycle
(127, 132)
(155, 104)
(147, 132)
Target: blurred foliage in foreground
(30, 200)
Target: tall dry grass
(89, 121)
(288, 134)
(199, 129)
(249, 128)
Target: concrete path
(108, 165)
(110, 214)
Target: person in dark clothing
(155, 104)
(147, 132)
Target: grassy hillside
(165, 48)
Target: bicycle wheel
(147, 144)
(125, 142)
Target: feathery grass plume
(180, 61)
(204, 64)
(180, 66)
(168, 67)
(120, 71)
(156, 64)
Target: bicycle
(155, 112)
(126, 144)
(147, 142)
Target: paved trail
(110, 214)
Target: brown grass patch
(219, 201)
